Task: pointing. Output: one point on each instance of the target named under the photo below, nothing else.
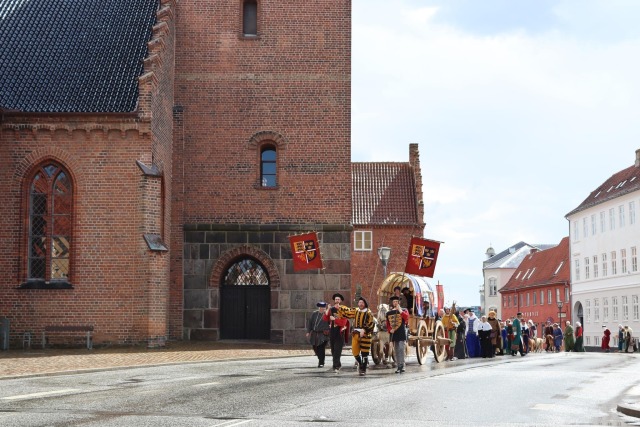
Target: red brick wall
(293, 81)
(366, 268)
(539, 313)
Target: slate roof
(73, 55)
(513, 255)
(623, 182)
(384, 193)
(541, 268)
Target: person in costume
(569, 339)
(579, 346)
(398, 293)
(460, 348)
(407, 294)
(620, 338)
(525, 336)
(397, 320)
(338, 329)
(361, 333)
(557, 337)
(516, 344)
(473, 340)
(504, 335)
(318, 332)
(484, 334)
(606, 339)
(510, 336)
(495, 333)
(629, 343)
(450, 324)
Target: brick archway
(242, 251)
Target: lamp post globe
(384, 253)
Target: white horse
(386, 349)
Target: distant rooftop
(620, 183)
(513, 256)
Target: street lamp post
(560, 304)
(384, 253)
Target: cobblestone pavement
(18, 363)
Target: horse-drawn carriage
(424, 332)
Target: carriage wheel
(439, 350)
(376, 351)
(422, 348)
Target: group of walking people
(336, 323)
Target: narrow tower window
(268, 166)
(250, 18)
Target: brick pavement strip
(17, 363)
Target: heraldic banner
(423, 254)
(440, 290)
(306, 252)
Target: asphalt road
(539, 389)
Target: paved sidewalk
(20, 363)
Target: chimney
(638, 158)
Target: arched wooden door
(245, 301)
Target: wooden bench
(54, 328)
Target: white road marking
(545, 406)
(231, 423)
(205, 384)
(41, 394)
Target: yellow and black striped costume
(362, 319)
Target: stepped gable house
(156, 155)
(388, 209)
(539, 284)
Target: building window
(596, 309)
(521, 300)
(604, 264)
(623, 260)
(535, 297)
(586, 268)
(625, 308)
(250, 18)
(527, 299)
(612, 219)
(632, 213)
(50, 224)
(577, 269)
(605, 309)
(602, 222)
(549, 296)
(634, 303)
(614, 264)
(588, 338)
(557, 295)
(504, 301)
(362, 240)
(634, 259)
(541, 297)
(566, 294)
(576, 231)
(493, 287)
(268, 166)
(621, 211)
(585, 227)
(587, 311)
(595, 266)
(614, 306)
(596, 340)
(593, 224)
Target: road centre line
(205, 384)
(42, 394)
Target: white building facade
(604, 242)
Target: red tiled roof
(623, 182)
(383, 194)
(541, 268)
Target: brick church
(155, 157)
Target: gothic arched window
(50, 201)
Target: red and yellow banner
(440, 291)
(423, 254)
(306, 252)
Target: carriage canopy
(421, 290)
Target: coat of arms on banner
(306, 252)
(423, 255)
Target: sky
(520, 109)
